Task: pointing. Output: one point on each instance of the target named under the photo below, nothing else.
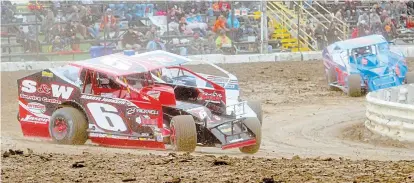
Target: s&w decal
(58, 91)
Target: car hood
(376, 64)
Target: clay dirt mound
(19, 166)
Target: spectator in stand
(151, 34)
(75, 43)
(60, 18)
(155, 44)
(183, 26)
(320, 33)
(131, 40)
(384, 15)
(33, 44)
(194, 21)
(224, 7)
(374, 18)
(364, 18)
(220, 24)
(88, 22)
(58, 44)
(21, 39)
(47, 25)
(332, 34)
(109, 22)
(197, 45)
(210, 44)
(222, 40)
(354, 32)
(363, 29)
(79, 28)
(389, 29)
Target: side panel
(39, 95)
(122, 123)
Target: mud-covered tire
(184, 132)
(77, 126)
(409, 77)
(254, 125)
(331, 77)
(256, 106)
(354, 85)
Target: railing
(286, 21)
(390, 112)
(344, 25)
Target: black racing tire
(331, 77)
(254, 126)
(354, 85)
(184, 134)
(77, 125)
(256, 106)
(409, 77)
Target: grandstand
(72, 30)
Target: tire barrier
(390, 112)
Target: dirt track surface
(187, 168)
(301, 118)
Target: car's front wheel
(183, 133)
(68, 126)
(354, 85)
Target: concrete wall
(390, 112)
(408, 50)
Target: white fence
(390, 112)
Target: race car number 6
(106, 117)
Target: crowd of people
(207, 26)
(381, 17)
(65, 23)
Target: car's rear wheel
(68, 126)
(183, 133)
(409, 77)
(354, 85)
(331, 77)
(257, 108)
(254, 125)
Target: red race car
(142, 101)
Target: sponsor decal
(102, 99)
(34, 119)
(136, 110)
(43, 88)
(40, 99)
(214, 96)
(58, 91)
(47, 74)
(36, 108)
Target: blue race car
(364, 64)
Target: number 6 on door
(106, 117)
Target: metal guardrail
(390, 112)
